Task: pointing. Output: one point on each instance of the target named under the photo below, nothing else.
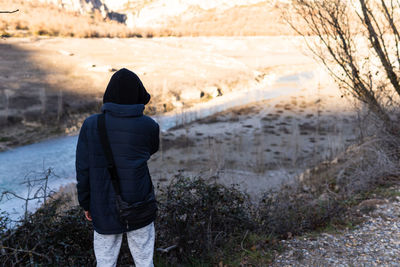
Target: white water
(59, 154)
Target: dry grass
(358, 169)
(38, 19)
(252, 20)
(326, 193)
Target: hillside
(70, 18)
(247, 20)
(40, 19)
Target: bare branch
(333, 23)
(166, 250)
(390, 17)
(26, 251)
(376, 44)
(9, 12)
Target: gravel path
(375, 242)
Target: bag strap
(101, 126)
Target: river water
(30, 162)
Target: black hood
(126, 88)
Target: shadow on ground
(37, 98)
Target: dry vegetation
(368, 73)
(328, 192)
(38, 19)
(202, 223)
(252, 20)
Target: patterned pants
(141, 245)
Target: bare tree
(37, 190)
(358, 42)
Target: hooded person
(126, 88)
(133, 138)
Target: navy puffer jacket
(133, 137)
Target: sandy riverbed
(257, 145)
(49, 85)
(260, 145)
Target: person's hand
(88, 216)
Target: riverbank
(258, 146)
(49, 85)
(262, 144)
(374, 242)
(258, 235)
(201, 73)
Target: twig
(8, 12)
(216, 237)
(26, 251)
(166, 250)
(241, 243)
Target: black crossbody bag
(135, 215)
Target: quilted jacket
(133, 137)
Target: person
(133, 138)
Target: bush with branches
(197, 218)
(201, 221)
(294, 211)
(49, 237)
(358, 42)
(325, 193)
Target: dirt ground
(258, 146)
(262, 144)
(49, 86)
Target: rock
(190, 95)
(212, 91)
(370, 203)
(145, 14)
(65, 53)
(110, 9)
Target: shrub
(202, 222)
(293, 211)
(49, 237)
(46, 19)
(199, 217)
(325, 193)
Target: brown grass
(252, 20)
(38, 19)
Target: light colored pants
(141, 245)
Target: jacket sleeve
(82, 169)
(155, 142)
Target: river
(30, 161)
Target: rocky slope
(156, 13)
(145, 18)
(375, 242)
